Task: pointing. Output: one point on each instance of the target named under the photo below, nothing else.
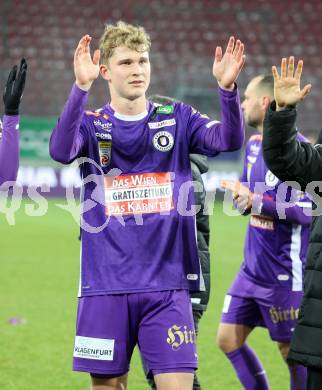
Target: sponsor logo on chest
(165, 110)
(262, 222)
(159, 125)
(140, 193)
(104, 149)
(103, 125)
(104, 136)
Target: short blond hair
(123, 34)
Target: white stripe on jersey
(81, 196)
(80, 272)
(297, 284)
(211, 123)
(202, 286)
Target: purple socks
(298, 375)
(248, 368)
(252, 375)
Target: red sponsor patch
(141, 193)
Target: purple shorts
(109, 326)
(274, 308)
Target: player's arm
(244, 177)
(9, 144)
(242, 196)
(209, 137)
(67, 140)
(240, 192)
(261, 204)
(291, 211)
(288, 158)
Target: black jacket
(198, 166)
(291, 160)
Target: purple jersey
(275, 248)
(148, 239)
(9, 148)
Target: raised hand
(227, 67)
(86, 69)
(287, 90)
(14, 88)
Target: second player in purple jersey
(275, 247)
(269, 286)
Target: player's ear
(266, 101)
(105, 72)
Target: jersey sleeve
(9, 149)
(243, 177)
(210, 137)
(292, 206)
(69, 137)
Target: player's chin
(133, 95)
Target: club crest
(163, 141)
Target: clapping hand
(287, 90)
(86, 68)
(227, 67)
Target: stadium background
(38, 282)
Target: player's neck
(129, 107)
(260, 127)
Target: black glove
(14, 89)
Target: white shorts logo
(163, 141)
(192, 277)
(226, 303)
(92, 348)
(283, 278)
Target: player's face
(251, 105)
(128, 73)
